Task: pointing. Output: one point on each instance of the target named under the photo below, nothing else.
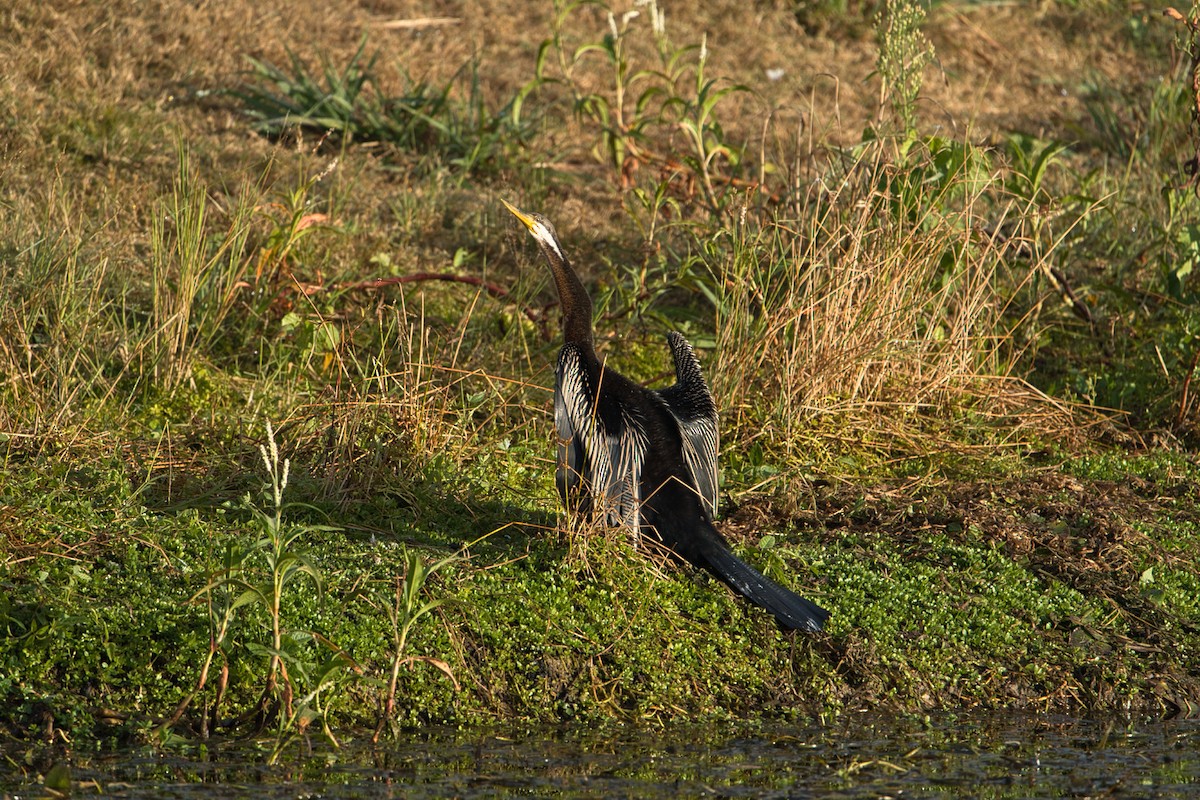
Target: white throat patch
(542, 235)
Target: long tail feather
(789, 608)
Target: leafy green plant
(222, 596)
(694, 114)
(640, 109)
(932, 175)
(405, 608)
(621, 116)
(294, 218)
(320, 680)
(286, 562)
(347, 102)
(35, 625)
(1030, 159)
(262, 575)
(1176, 274)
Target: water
(857, 756)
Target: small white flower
(658, 19)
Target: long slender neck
(574, 300)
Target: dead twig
(416, 23)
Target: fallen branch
(493, 289)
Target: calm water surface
(856, 756)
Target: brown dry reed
(847, 306)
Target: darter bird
(646, 459)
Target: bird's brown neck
(574, 301)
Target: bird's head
(573, 298)
(539, 227)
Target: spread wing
(692, 405)
(601, 446)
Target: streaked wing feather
(692, 405)
(627, 446)
(609, 456)
(700, 455)
(572, 474)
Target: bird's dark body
(646, 458)
(672, 510)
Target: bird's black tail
(675, 516)
(789, 608)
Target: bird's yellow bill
(519, 214)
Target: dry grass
(851, 312)
(827, 306)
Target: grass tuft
(347, 102)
